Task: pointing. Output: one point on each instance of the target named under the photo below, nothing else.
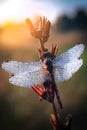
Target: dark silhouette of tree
(80, 19)
(66, 23)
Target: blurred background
(20, 108)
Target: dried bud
(30, 25)
(39, 28)
(46, 93)
(38, 90)
(54, 50)
(53, 120)
(35, 31)
(46, 30)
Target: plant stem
(56, 116)
(42, 45)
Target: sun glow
(18, 10)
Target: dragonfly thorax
(47, 61)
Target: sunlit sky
(17, 10)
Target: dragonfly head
(46, 54)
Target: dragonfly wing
(68, 63)
(28, 79)
(26, 74)
(70, 55)
(15, 67)
(65, 71)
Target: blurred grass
(21, 109)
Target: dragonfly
(46, 71)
